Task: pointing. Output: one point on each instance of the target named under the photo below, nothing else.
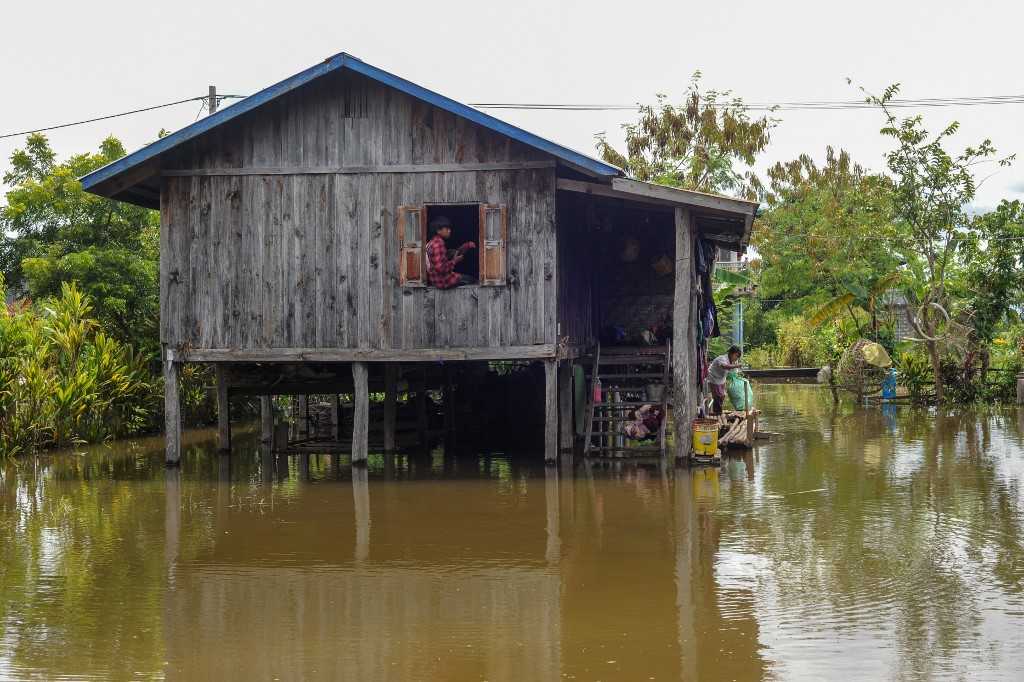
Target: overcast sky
(68, 61)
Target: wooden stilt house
(293, 227)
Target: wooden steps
(624, 373)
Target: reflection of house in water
(594, 571)
(718, 631)
(418, 590)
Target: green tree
(696, 145)
(931, 190)
(820, 241)
(52, 232)
(993, 276)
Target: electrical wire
(810, 105)
(99, 118)
(123, 113)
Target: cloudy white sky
(70, 60)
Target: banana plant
(728, 285)
(857, 296)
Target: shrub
(802, 346)
(761, 357)
(915, 373)
(63, 381)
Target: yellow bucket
(705, 437)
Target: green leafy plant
(915, 373)
(62, 381)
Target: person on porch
(717, 371)
(441, 261)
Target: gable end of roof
(95, 181)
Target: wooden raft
(738, 429)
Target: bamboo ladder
(625, 371)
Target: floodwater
(861, 545)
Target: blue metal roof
(345, 61)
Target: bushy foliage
(63, 380)
(820, 241)
(801, 345)
(762, 357)
(698, 144)
(53, 232)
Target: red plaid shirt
(440, 268)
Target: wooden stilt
(172, 411)
(266, 420)
(449, 408)
(223, 411)
(338, 418)
(361, 418)
(390, 405)
(422, 421)
(566, 420)
(550, 410)
(683, 379)
(303, 416)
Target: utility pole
(211, 100)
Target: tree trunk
(933, 355)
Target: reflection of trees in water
(915, 525)
(82, 568)
(915, 537)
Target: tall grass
(64, 381)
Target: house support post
(422, 420)
(1020, 388)
(302, 418)
(266, 420)
(390, 405)
(172, 410)
(223, 410)
(361, 417)
(338, 418)
(449, 409)
(550, 410)
(683, 378)
(566, 422)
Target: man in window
(441, 262)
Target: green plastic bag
(741, 395)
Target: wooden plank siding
(310, 260)
(575, 271)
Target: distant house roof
(103, 180)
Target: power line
(809, 105)
(109, 116)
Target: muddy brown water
(864, 544)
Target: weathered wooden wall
(575, 270)
(303, 256)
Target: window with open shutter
(412, 233)
(493, 240)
